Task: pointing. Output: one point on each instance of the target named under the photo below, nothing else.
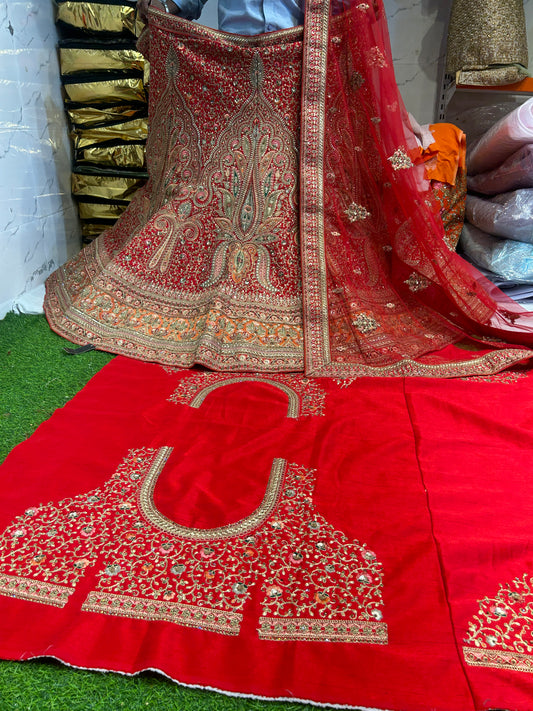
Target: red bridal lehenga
(284, 226)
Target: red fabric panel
(428, 474)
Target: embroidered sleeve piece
(501, 634)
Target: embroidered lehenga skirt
(284, 226)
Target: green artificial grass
(37, 377)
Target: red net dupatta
(383, 295)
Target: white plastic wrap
(509, 260)
(508, 215)
(38, 223)
(514, 173)
(502, 140)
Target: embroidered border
(511, 661)
(204, 618)
(487, 364)
(323, 630)
(240, 528)
(34, 590)
(305, 396)
(314, 274)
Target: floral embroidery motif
(306, 396)
(316, 584)
(500, 635)
(365, 323)
(314, 572)
(400, 160)
(416, 282)
(356, 213)
(33, 550)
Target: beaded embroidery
(306, 397)
(316, 585)
(500, 635)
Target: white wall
(38, 227)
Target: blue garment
(252, 17)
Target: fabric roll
(514, 173)
(508, 215)
(487, 42)
(500, 142)
(510, 260)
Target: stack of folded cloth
(104, 82)
(498, 233)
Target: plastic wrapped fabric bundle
(91, 209)
(91, 229)
(112, 17)
(82, 56)
(108, 186)
(508, 215)
(118, 155)
(104, 87)
(511, 260)
(134, 130)
(499, 143)
(487, 42)
(84, 116)
(514, 173)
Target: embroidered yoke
(315, 583)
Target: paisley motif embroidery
(501, 634)
(315, 584)
(255, 175)
(306, 397)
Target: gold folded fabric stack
(105, 83)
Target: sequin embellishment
(306, 396)
(400, 160)
(500, 635)
(315, 583)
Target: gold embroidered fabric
(487, 42)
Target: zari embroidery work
(500, 634)
(317, 585)
(306, 396)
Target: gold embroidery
(28, 589)
(205, 618)
(416, 282)
(365, 323)
(306, 396)
(500, 634)
(312, 575)
(400, 160)
(356, 212)
(312, 629)
(240, 528)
